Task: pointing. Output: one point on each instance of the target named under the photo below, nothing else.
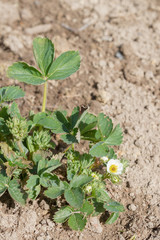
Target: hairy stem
(44, 97)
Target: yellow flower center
(113, 168)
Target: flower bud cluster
(17, 127)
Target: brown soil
(120, 75)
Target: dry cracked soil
(119, 43)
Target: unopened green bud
(17, 127)
(88, 189)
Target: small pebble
(132, 207)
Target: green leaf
(14, 111)
(100, 149)
(92, 135)
(54, 192)
(87, 208)
(3, 182)
(69, 139)
(105, 125)
(74, 197)
(39, 116)
(62, 215)
(114, 206)
(16, 192)
(22, 72)
(10, 93)
(45, 165)
(101, 195)
(112, 218)
(53, 124)
(88, 122)
(74, 117)
(115, 138)
(43, 50)
(49, 180)
(66, 64)
(79, 181)
(33, 185)
(77, 221)
(98, 207)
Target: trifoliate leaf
(74, 197)
(43, 50)
(22, 72)
(65, 65)
(115, 138)
(112, 218)
(62, 215)
(77, 222)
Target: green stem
(44, 97)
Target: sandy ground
(119, 42)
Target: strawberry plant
(28, 163)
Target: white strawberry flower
(114, 166)
(105, 159)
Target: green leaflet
(101, 195)
(105, 125)
(65, 65)
(115, 138)
(74, 197)
(16, 192)
(69, 139)
(10, 93)
(112, 218)
(79, 181)
(49, 180)
(100, 149)
(114, 206)
(87, 208)
(77, 221)
(22, 72)
(43, 50)
(54, 192)
(3, 182)
(33, 185)
(53, 124)
(74, 117)
(62, 215)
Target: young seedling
(28, 166)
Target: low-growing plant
(29, 165)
